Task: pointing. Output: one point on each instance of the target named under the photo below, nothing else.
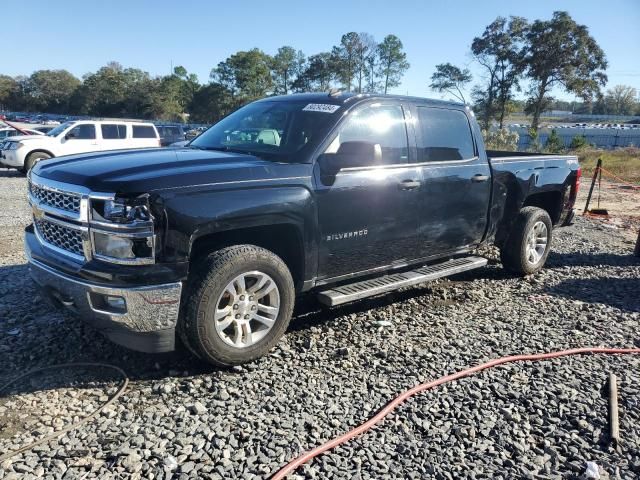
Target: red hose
(304, 458)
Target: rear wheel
(238, 306)
(34, 158)
(527, 247)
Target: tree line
(358, 63)
(546, 54)
(514, 55)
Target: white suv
(23, 152)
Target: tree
(286, 65)
(451, 79)
(500, 51)
(392, 61)
(51, 90)
(561, 53)
(621, 100)
(344, 59)
(246, 74)
(365, 51)
(114, 91)
(190, 82)
(8, 90)
(317, 74)
(210, 103)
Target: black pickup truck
(336, 195)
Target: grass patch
(624, 162)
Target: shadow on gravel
(10, 173)
(622, 293)
(591, 260)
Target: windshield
(273, 130)
(59, 129)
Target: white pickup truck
(24, 151)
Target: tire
(523, 252)
(34, 158)
(215, 288)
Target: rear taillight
(576, 186)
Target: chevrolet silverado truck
(339, 196)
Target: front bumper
(10, 159)
(144, 319)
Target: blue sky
(82, 35)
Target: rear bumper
(139, 318)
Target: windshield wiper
(229, 149)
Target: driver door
(368, 201)
(80, 139)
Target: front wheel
(527, 247)
(34, 158)
(238, 305)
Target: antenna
(334, 92)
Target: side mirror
(69, 136)
(350, 155)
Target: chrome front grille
(69, 202)
(62, 237)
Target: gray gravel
(183, 419)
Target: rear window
(445, 135)
(113, 132)
(143, 131)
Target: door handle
(408, 184)
(480, 178)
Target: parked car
(194, 132)
(6, 132)
(335, 196)
(170, 134)
(43, 130)
(23, 152)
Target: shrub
(554, 143)
(534, 142)
(503, 139)
(579, 142)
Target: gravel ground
(182, 419)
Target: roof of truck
(343, 98)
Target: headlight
(122, 211)
(13, 146)
(122, 230)
(130, 249)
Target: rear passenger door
(367, 211)
(456, 187)
(114, 136)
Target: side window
(445, 135)
(113, 131)
(143, 131)
(83, 132)
(376, 124)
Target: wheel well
(283, 240)
(551, 202)
(38, 150)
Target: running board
(388, 283)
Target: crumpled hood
(147, 170)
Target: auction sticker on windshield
(321, 107)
